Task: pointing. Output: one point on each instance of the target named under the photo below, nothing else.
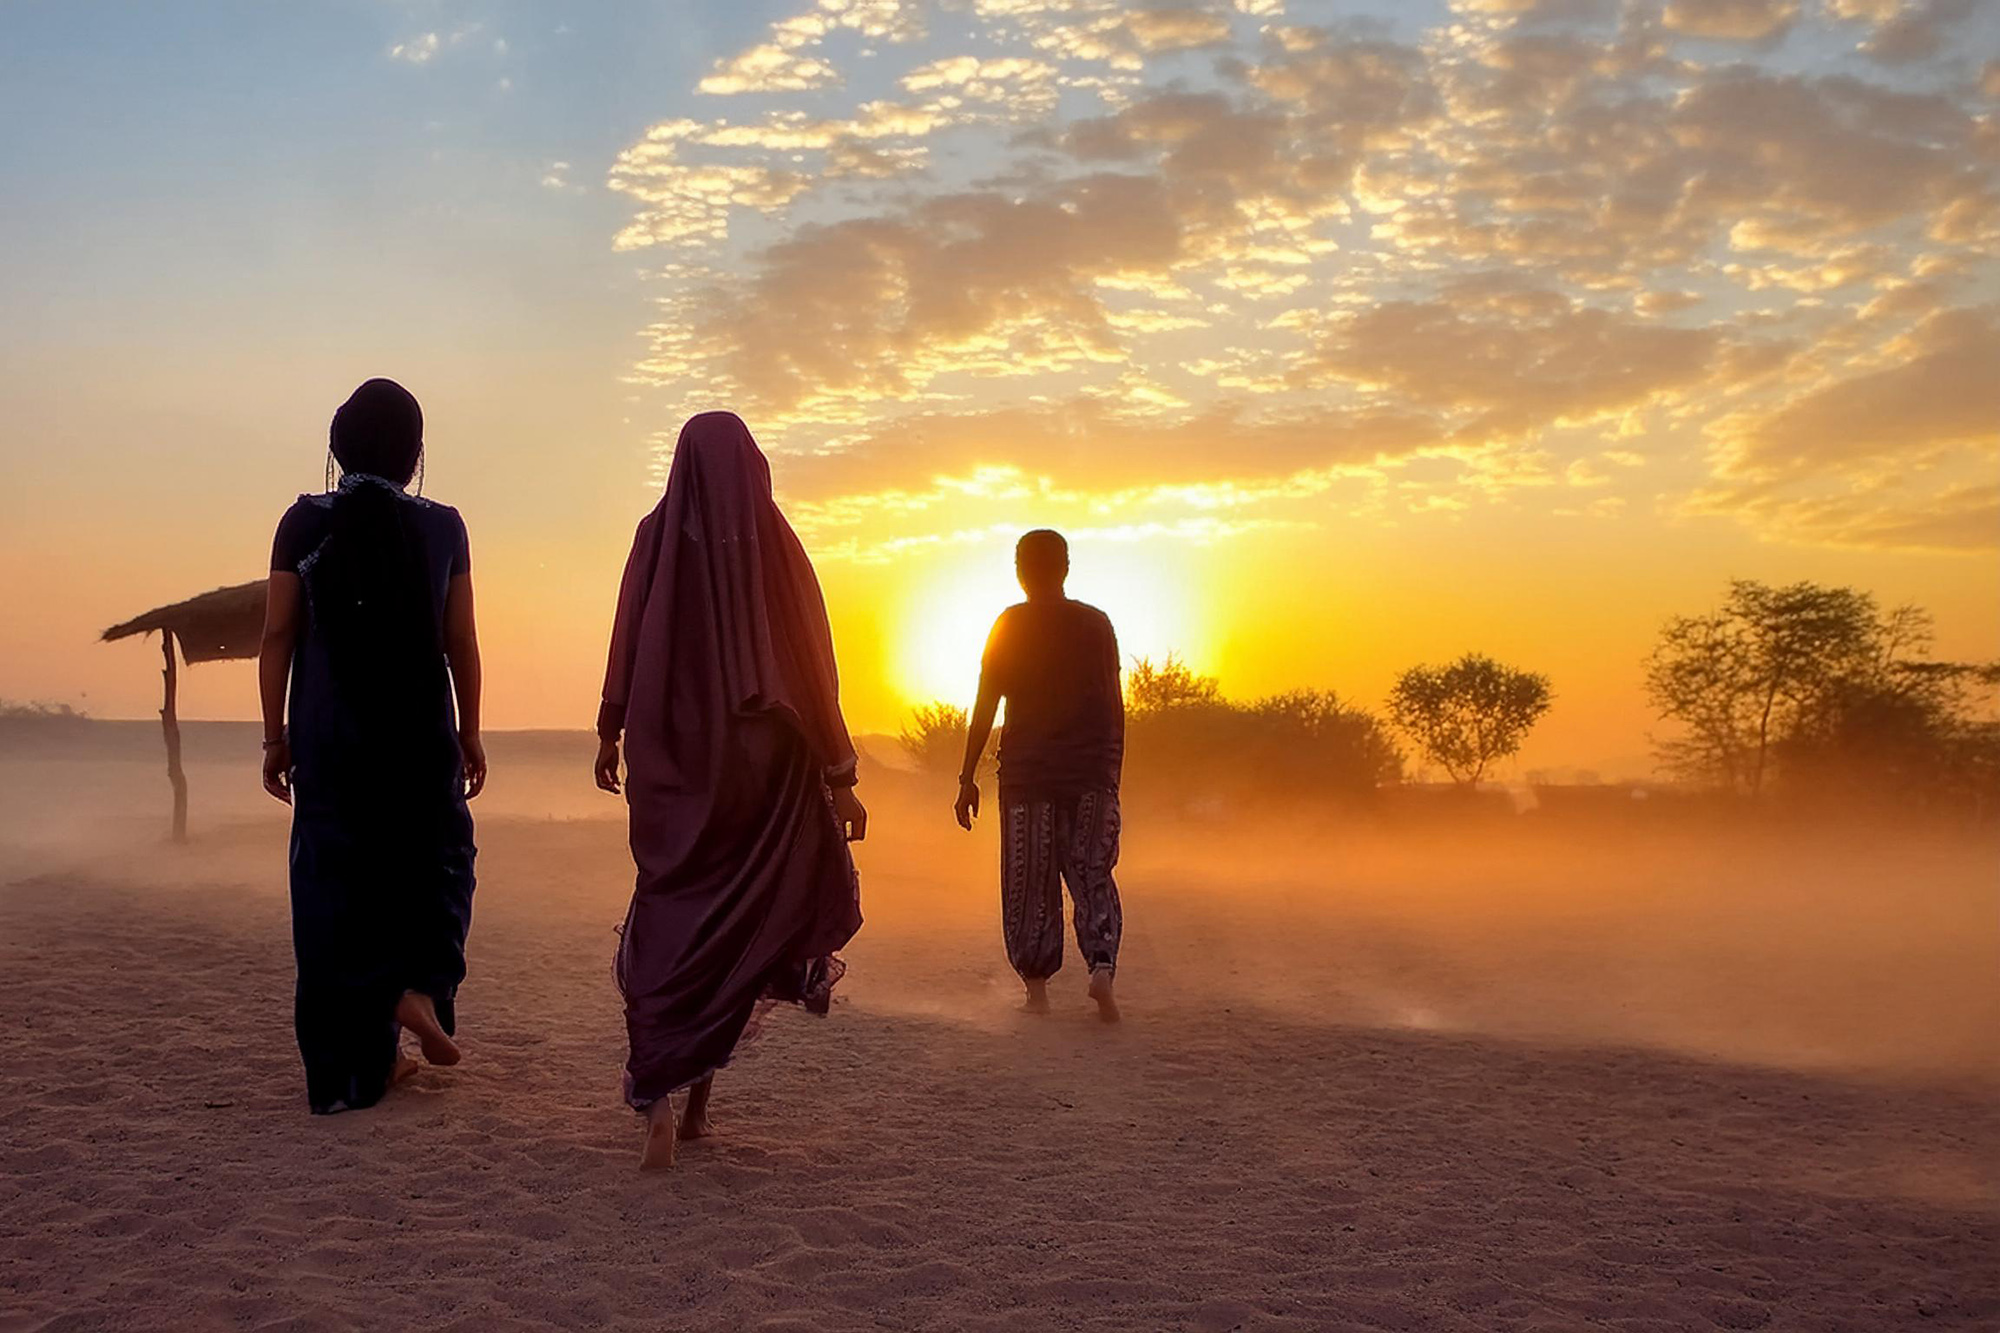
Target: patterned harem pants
(1071, 839)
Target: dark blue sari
(382, 845)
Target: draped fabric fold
(716, 562)
(722, 675)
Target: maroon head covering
(720, 616)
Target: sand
(1351, 1092)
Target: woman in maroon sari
(738, 771)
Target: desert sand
(1367, 1079)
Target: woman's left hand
(853, 815)
(474, 751)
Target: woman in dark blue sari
(370, 625)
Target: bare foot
(405, 1066)
(695, 1123)
(658, 1153)
(1038, 997)
(1100, 991)
(417, 1013)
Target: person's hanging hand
(278, 769)
(967, 805)
(607, 766)
(853, 815)
(474, 751)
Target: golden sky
(1337, 337)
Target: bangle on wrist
(272, 743)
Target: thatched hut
(214, 627)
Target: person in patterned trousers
(1055, 662)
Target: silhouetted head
(721, 473)
(718, 442)
(1041, 561)
(379, 430)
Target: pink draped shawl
(722, 667)
(720, 614)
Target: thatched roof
(213, 627)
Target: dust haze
(1857, 944)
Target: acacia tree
(1466, 715)
(1771, 667)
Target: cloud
(1665, 302)
(979, 281)
(1939, 389)
(1067, 246)
(1605, 179)
(1121, 38)
(1361, 90)
(1501, 360)
(961, 72)
(427, 46)
(786, 62)
(418, 50)
(1959, 519)
(886, 20)
(1915, 31)
(1021, 85)
(1533, 10)
(1087, 445)
(1228, 468)
(1810, 158)
(1893, 448)
(1731, 20)
(1178, 28)
(766, 69)
(690, 202)
(1964, 518)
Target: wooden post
(170, 724)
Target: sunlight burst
(1142, 585)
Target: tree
(1770, 668)
(1922, 733)
(39, 712)
(1170, 685)
(935, 737)
(1466, 715)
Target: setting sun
(1141, 584)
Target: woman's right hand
(278, 770)
(607, 766)
(853, 815)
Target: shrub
(1183, 735)
(1171, 685)
(935, 737)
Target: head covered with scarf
(720, 615)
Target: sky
(1338, 337)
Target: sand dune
(1360, 1100)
